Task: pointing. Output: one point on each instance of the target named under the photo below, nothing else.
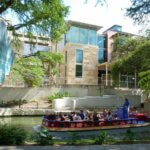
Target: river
(25, 122)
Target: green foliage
(101, 138)
(139, 10)
(16, 44)
(123, 45)
(136, 60)
(12, 135)
(30, 68)
(74, 137)
(12, 103)
(129, 136)
(40, 16)
(58, 95)
(43, 138)
(52, 60)
(144, 82)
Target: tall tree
(139, 10)
(122, 45)
(50, 62)
(101, 2)
(38, 16)
(135, 61)
(31, 70)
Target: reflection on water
(25, 122)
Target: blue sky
(111, 13)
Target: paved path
(90, 147)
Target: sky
(107, 15)
(111, 13)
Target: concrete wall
(11, 94)
(23, 112)
(147, 107)
(93, 102)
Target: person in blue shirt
(126, 107)
(126, 103)
(82, 114)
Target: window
(101, 51)
(73, 35)
(42, 48)
(79, 56)
(100, 56)
(81, 35)
(66, 57)
(79, 61)
(92, 37)
(78, 70)
(65, 63)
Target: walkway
(90, 147)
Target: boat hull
(65, 133)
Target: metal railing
(124, 82)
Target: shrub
(129, 136)
(73, 138)
(58, 95)
(43, 138)
(101, 138)
(12, 135)
(12, 103)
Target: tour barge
(61, 129)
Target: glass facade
(101, 48)
(6, 52)
(81, 35)
(116, 28)
(31, 49)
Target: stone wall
(90, 61)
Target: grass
(109, 142)
(91, 141)
(103, 138)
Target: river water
(25, 122)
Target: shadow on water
(26, 122)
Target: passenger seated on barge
(106, 117)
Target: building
(81, 55)
(87, 54)
(6, 51)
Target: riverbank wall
(8, 94)
(23, 112)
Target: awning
(105, 65)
